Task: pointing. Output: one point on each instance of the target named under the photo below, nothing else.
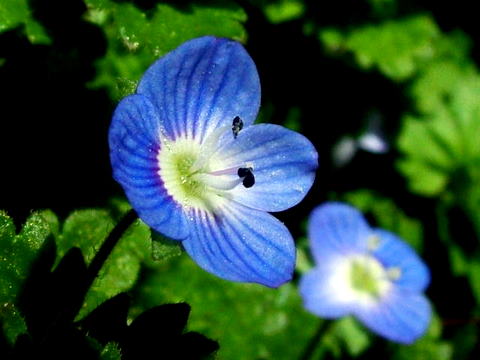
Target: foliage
(325, 67)
(66, 291)
(17, 254)
(136, 38)
(17, 12)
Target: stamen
(228, 171)
(394, 273)
(246, 174)
(237, 125)
(218, 182)
(208, 148)
(373, 242)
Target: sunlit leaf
(137, 38)
(87, 229)
(111, 351)
(397, 48)
(284, 10)
(260, 321)
(349, 332)
(17, 254)
(14, 13)
(440, 149)
(164, 248)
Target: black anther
(237, 125)
(247, 175)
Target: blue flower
(195, 168)
(365, 272)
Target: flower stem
(108, 245)
(309, 350)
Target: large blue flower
(195, 168)
(366, 272)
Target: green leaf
(260, 321)
(393, 47)
(387, 216)
(14, 13)
(111, 351)
(293, 119)
(349, 332)
(397, 48)
(474, 278)
(87, 229)
(17, 253)
(164, 248)
(458, 260)
(440, 150)
(284, 10)
(136, 38)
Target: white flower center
(361, 279)
(196, 178)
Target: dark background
(53, 139)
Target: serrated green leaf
(122, 268)
(17, 253)
(87, 229)
(136, 40)
(260, 321)
(440, 151)
(396, 47)
(423, 177)
(14, 13)
(111, 351)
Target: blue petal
(320, 295)
(336, 228)
(201, 85)
(394, 252)
(284, 165)
(241, 244)
(134, 144)
(401, 316)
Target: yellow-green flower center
(176, 160)
(368, 277)
(363, 279)
(194, 176)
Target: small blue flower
(195, 168)
(366, 272)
